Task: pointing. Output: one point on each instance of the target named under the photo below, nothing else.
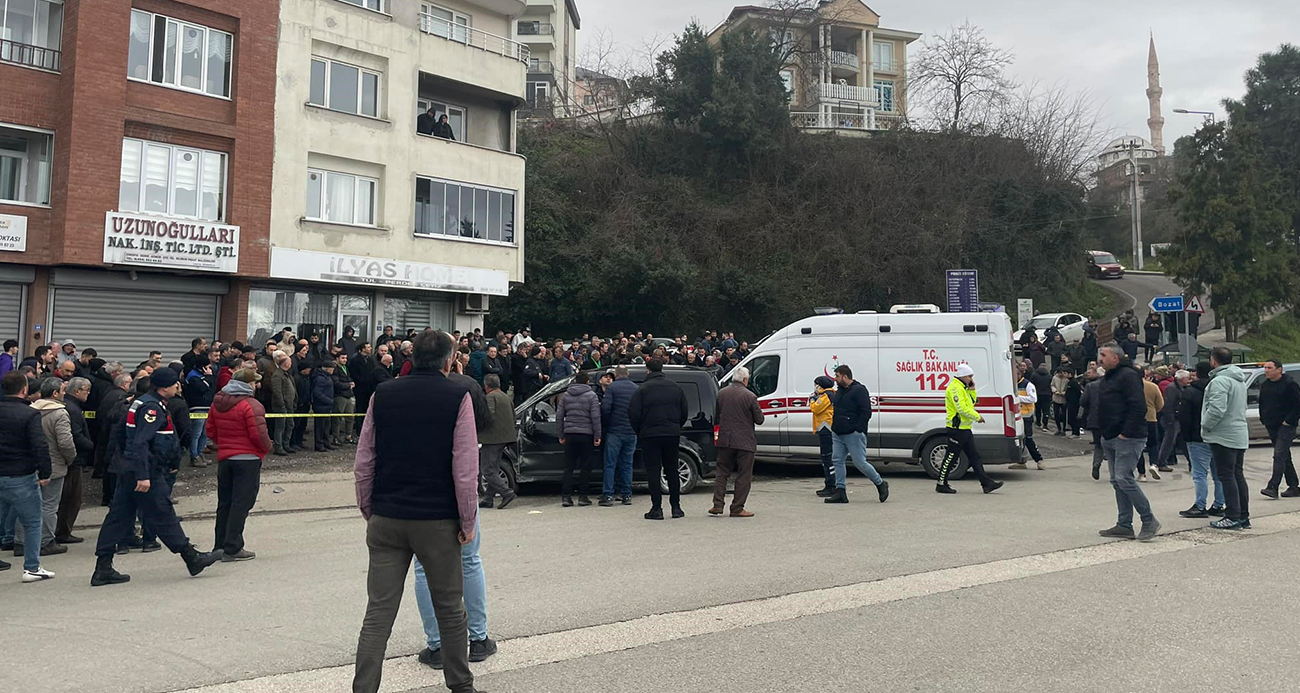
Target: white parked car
(1070, 325)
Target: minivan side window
(764, 374)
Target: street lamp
(1135, 208)
(1209, 115)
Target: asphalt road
(1136, 291)
(1012, 591)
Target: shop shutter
(126, 325)
(11, 311)
(411, 314)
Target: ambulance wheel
(932, 454)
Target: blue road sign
(964, 291)
(1166, 304)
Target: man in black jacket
(849, 434)
(361, 367)
(78, 392)
(657, 412)
(1279, 411)
(1122, 411)
(109, 404)
(24, 469)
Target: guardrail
(541, 67)
(437, 26)
(535, 28)
(29, 55)
(844, 59)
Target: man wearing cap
(237, 426)
(150, 451)
(959, 403)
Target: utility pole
(1135, 208)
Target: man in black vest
(417, 488)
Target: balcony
(846, 92)
(844, 60)
(30, 56)
(536, 28)
(469, 36)
(862, 122)
(541, 67)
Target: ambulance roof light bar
(915, 308)
(827, 310)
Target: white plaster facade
(469, 67)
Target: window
(33, 32)
(787, 79)
(882, 54)
(376, 5)
(25, 157)
(445, 208)
(782, 39)
(342, 87)
(341, 197)
(172, 180)
(443, 22)
(456, 115)
(885, 94)
(179, 54)
(764, 374)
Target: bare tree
(961, 77)
(1063, 129)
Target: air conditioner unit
(474, 304)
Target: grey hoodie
(238, 388)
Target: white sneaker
(37, 575)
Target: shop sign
(287, 263)
(158, 241)
(13, 233)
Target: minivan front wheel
(688, 473)
(932, 455)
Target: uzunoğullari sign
(158, 241)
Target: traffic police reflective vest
(959, 403)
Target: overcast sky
(1204, 47)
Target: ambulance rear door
(766, 380)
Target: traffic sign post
(1166, 304)
(1194, 306)
(1187, 336)
(964, 290)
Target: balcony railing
(536, 28)
(846, 92)
(31, 56)
(541, 67)
(843, 59)
(470, 36)
(844, 121)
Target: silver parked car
(1255, 378)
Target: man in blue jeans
(1122, 409)
(849, 434)
(620, 439)
(24, 469)
(475, 590)
(1191, 399)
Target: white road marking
(406, 673)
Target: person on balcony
(425, 125)
(443, 129)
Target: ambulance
(906, 359)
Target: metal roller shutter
(126, 325)
(11, 311)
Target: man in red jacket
(237, 426)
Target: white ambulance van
(905, 360)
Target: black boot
(944, 488)
(566, 501)
(826, 492)
(196, 560)
(991, 486)
(105, 574)
(583, 500)
(839, 496)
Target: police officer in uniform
(959, 403)
(150, 451)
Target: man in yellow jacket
(959, 405)
(823, 411)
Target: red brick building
(136, 143)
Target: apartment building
(844, 71)
(374, 222)
(550, 30)
(134, 170)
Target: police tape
(203, 415)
